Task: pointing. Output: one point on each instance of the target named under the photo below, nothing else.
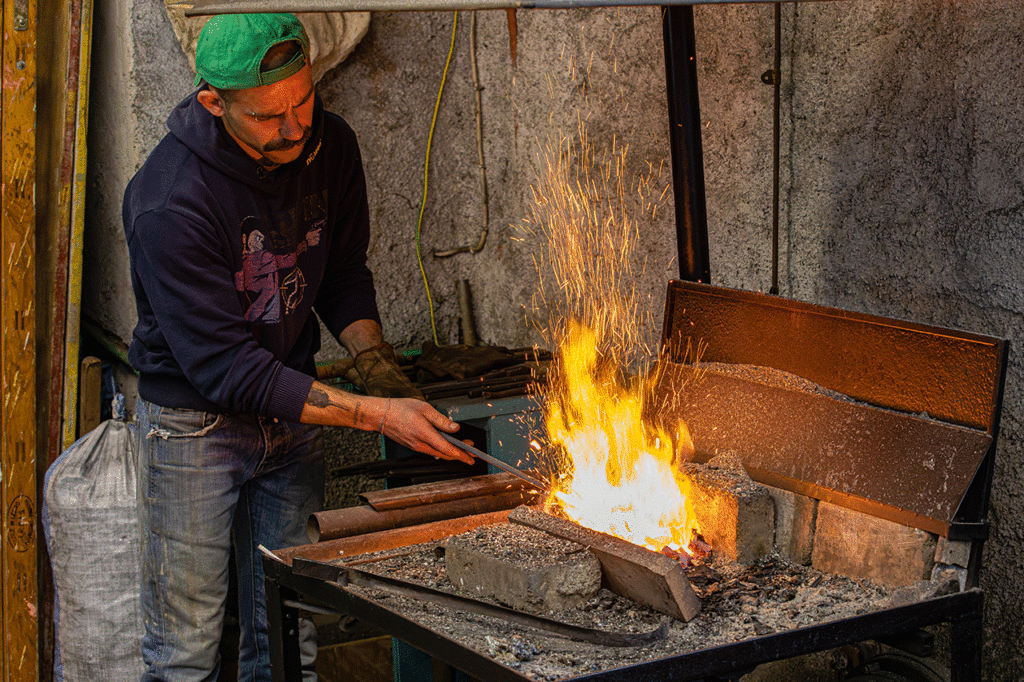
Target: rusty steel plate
(902, 467)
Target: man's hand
(408, 421)
(376, 371)
(414, 424)
(375, 368)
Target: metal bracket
(20, 15)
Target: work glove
(458, 362)
(376, 372)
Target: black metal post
(685, 142)
(283, 634)
(966, 641)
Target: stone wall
(902, 182)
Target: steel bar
(494, 377)
(282, 629)
(539, 485)
(393, 539)
(338, 523)
(685, 143)
(521, 384)
(344, 576)
(236, 6)
(776, 139)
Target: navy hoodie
(229, 263)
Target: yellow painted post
(18, 551)
(72, 330)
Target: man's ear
(212, 101)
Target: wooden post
(89, 389)
(18, 552)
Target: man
(248, 217)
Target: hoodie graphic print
(232, 265)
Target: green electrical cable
(426, 176)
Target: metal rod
(776, 130)
(466, 302)
(238, 6)
(495, 461)
(339, 523)
(685, 143)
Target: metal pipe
(441, 491)
(466, 313)
(340, 523)
(238, 6)
(685, 143)
(776, 129)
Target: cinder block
(736, 515)
(953, 552)
(862, 546)
(543, 586)
(795, 517)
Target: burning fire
(616, 470)
(621, 478)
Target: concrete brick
(862, 546)
(736, 515)
(953, 552)
(943, 573)
(795, 517)
(552, 587)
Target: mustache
(281, 143)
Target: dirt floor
(345, 447)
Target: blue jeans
(205, 480)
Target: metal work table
(287, 592)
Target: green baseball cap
(231, 47)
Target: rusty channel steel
(346, 575)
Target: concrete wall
(902, 182)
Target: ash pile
(520, 566)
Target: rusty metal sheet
(952, 375)
(903, 467)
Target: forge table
(289, 592)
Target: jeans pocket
(176, 422)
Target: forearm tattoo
(318, 397)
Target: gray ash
(737, 602)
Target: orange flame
(620, 476)
(616, 471)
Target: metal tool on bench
(346, 575)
